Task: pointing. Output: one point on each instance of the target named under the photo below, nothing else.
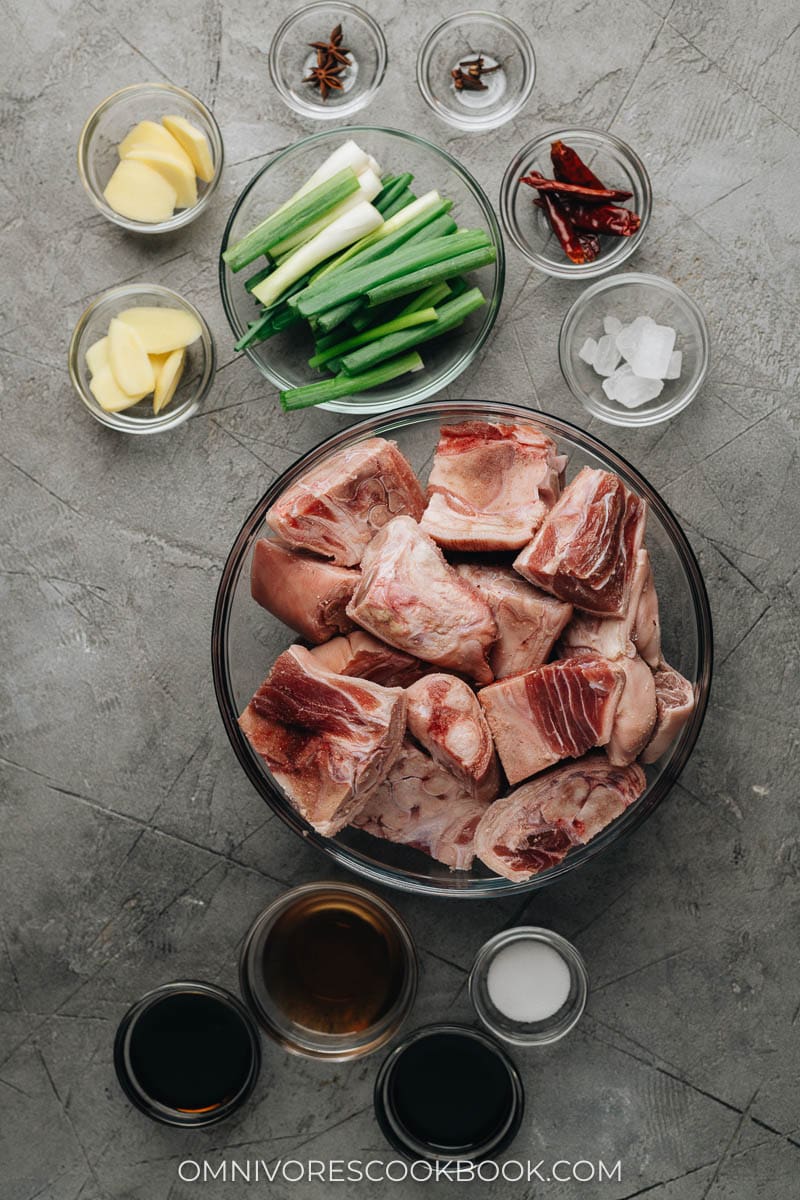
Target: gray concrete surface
(133, 849)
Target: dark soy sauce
(333, 964)
(449, 1092)
(188, 1051)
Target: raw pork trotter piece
(674, 706)
(366, 657)
(445, 717)
(411, 598)
(337, 507)
(535, 827)
(638, 629)
(307, 594)
(557, 711)
(647, 625)
(529, 622)
(420, 804)
(585, 551)
(491, 485)
(328, 739)
(635, 718)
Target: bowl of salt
(529, 986)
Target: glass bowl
(198, 372)
(283, 360)
(402, 1079)
(626, 297)
(246, 640)
(126, 1072)
(539, 1033)
(466, 35)
(114, 118)
(291, 58)
(528, 227)
(298, 1038)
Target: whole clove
(468, 75)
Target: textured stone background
(133, 849)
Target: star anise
(332, 60)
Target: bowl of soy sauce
(449, 1093)
(187, 1053)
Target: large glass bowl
(283, 359)
(246, 640)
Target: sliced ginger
(138, 192)
(152, 135)
(173, 169)
(169, 376)
(194, 142)
(128, 359)
(159, 166)
(108, 394)
(144, 353)
(162, 329)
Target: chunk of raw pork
(329, 740)
(534, 827)
(337, 507)
(411, 598)
(585, 551)
(647, 626)
(529, 622)
(491, 485)
(421, 804)
(446, 719)
(557, 711)
(306, 593)
(638, 629)
(362, 655)
(674, 706)
(635, 718)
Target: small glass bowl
(126, 1073)
(197, 375)
(291, 59)
(466, 35)
(538, 1033)
(528, 227)
(300, 1039)
(114, 118)
(626, 297)
(420, 1143)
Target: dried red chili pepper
(579, 248)
(589, 195)
(569, 167)
(601, 218)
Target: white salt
(633, 390)
(528, 981)
(675, 365)
(588, 351)
(607, 355)
(612, 325)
